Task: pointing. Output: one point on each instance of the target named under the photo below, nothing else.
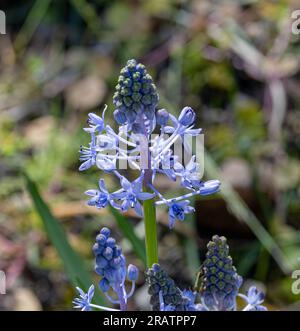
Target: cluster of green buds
(218, 281)
(136, 96)
(165, 295)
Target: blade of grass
(128, 231)
(89, 14)
(73, 263)
(248, 258)
(173, 79)
(31, 23)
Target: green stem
(150, 232)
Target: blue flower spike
(136, 115)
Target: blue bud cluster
(110, 262)
(162, 287)
(220, 282)
(135, 94)
(111, 266)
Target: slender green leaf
(89, 14)
(73, 263)
(247, 258)
(31, 23)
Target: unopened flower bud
(104, 285)
(101, 239)
(132, 273)
(187, 116)
(105, 232)
(162, 117)
(137, 128)
(120, 117)
(135, 93)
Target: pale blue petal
(145, 196)
(91, 192)
(125, 183)
(210, 187)
(102, 186)
(86, 165)
(138, 209)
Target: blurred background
(235, 62)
